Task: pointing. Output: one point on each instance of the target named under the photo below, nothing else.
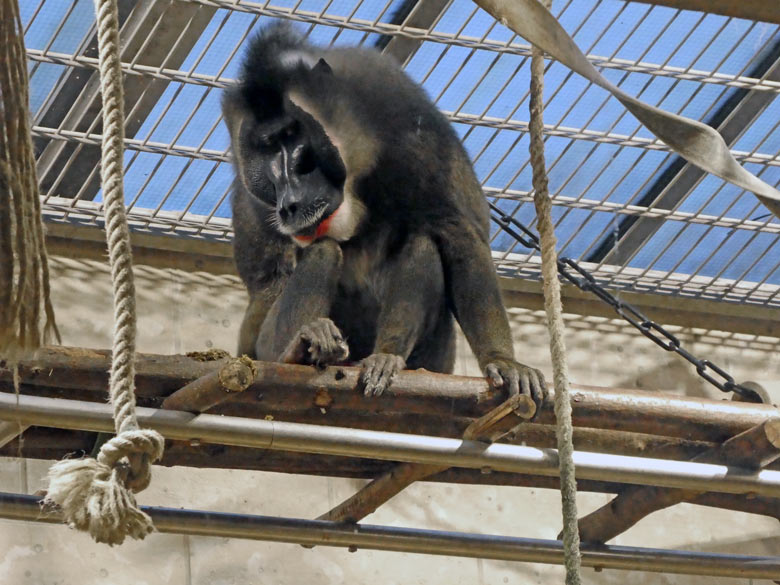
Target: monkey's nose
(287, 212)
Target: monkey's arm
(412, 292)
(296, 328)
(472, 286)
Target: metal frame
(731, 120)
(265, 434)
(401, 36)
(276, 435)
(433, 542)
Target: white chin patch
(347, 218)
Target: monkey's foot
(378, 372)
(319, 343)
(516, 378)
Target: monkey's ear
(322, 67)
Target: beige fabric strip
(696, 142)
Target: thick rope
(96, 495)
(26, 313)
(554, 310)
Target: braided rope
(553, 310)
(26, 313)
(97, 495)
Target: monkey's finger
(319, 342)
(513, 382)
(295, 352)
(335, 332)
(537, 387)
(378, 374)
(494, 376)
(366, 376)
(526, 383)
(386, 374)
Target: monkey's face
(289, 163)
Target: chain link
(584, 280)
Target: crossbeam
(434, 399)
(269, 434)
(754, 449)
(433, 542)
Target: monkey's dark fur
(360, 226)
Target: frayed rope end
(94, 497)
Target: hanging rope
(553, 310)
(96, 495)
(26, 314)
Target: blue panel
(492, 84)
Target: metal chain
(656, 332)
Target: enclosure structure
(689, 249)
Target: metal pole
(505, 548)
(264, 434)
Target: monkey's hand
(319, 343)
(378, 372)
(516, 378)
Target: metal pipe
(435, 542)
(265, 434)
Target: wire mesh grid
(624, 204)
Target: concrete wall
(182, 312)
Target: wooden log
(213, 388)
(53, 444)
(9, 431)
(494, 425)
(751, 449)
(284, 388)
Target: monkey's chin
(315, 231)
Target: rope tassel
(96, 495)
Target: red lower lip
(322, 229)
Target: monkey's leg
(297, 329)
(473, 288)
(412, 301)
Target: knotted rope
(96, 495)
(26, 313)
(554, 310)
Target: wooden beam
(763, 10)
(9, 431)
(492, 426)
(754, 449)
(422, 401)
(213, 388)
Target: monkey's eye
(306, 162)
(289, 131)
(266, 142)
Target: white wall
(182, 312)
